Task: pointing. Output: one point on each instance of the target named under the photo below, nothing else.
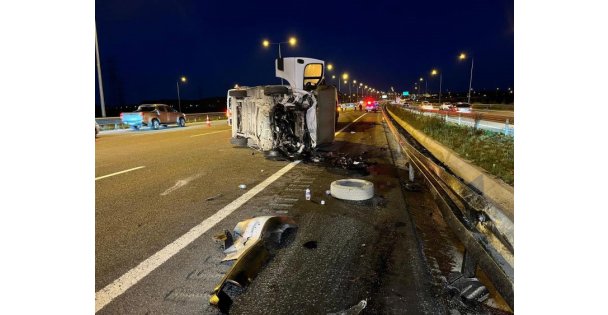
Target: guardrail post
(115, 126)
(469, 264)
(459, 119)
(507, 127)
(411, 171)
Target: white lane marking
(133, 276)
(209, 133)
(131, 169)
(349, 124)
(181, 183)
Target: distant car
(448, 107)
(426, 105)
(153, 115)
(463, 107)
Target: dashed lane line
(117, 173)
(133, 276)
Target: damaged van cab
(291, 120)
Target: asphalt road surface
(154, 186)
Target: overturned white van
(291, 120)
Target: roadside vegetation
(489, 150)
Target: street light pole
(292, 41)
(471, 81)
(440, 79)
(101, 97)
(179, 102)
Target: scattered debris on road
(352, 189)
(251, 245)
(310, 244)
(242, 186)
(467, 290)
(354, 310)
(213, 197)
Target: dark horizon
(145, 47)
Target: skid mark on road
(181, 183)
(121, 172)
(133, 276)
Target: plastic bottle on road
(307, 194)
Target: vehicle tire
(238, 141)
(181, 122)
(238, 93)
(276, 90)
(154, 124)
(135, 127)
(352, 189)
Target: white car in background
(426, 105)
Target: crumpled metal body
(250, 248)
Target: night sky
(146, 45)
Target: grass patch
(489, 150)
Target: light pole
(101, 97)
(179, 102)
(355, 83)
(463, 56)
(434, 72)
(345, 78)
(292, 42)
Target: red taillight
(121, 115)
(228, 113)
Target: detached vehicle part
(352, 189)
(250, 245)
(292, 119)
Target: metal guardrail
(478, 119)
(468, 214)
(116, 122)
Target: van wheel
(135, 127)
(238, 142)
(181, 122)
(276, 90)
(155, 124)
(238, 93)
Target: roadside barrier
(107, 123)
(484, 226)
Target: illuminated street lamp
(463, 56)
(360, 86)
(292, 42)
(179, 102)
(344, 77)
(434, 72)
